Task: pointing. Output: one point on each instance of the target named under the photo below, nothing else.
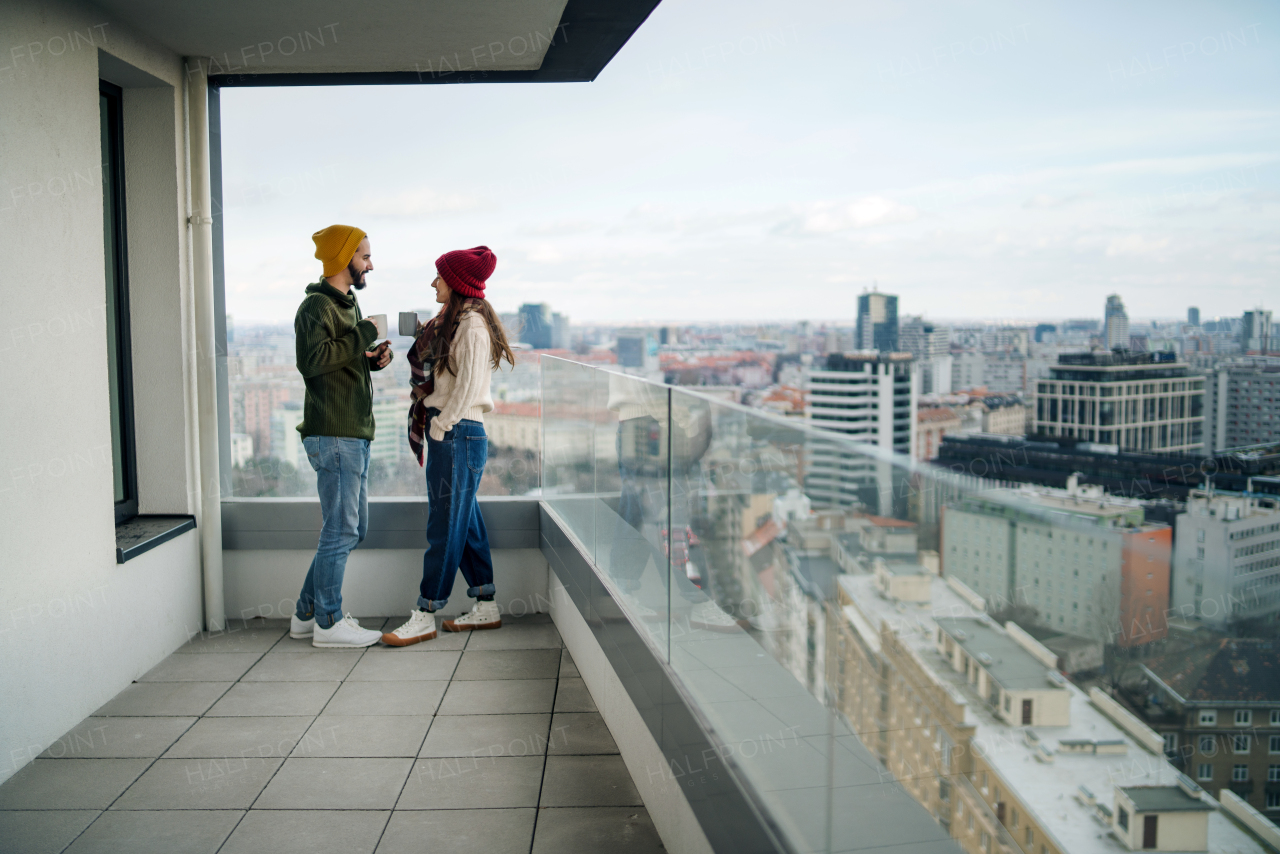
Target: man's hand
(381, 354)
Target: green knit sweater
(331, 337)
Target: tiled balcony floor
(250, 741)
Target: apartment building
(1227, 559)
(1242, 403)
(1138, 401)
(1217, 707)
(942, 700)
(932, 424)
(1086, 561)
(868, 397)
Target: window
(1274, 745)
(1273, 800)
(1200, 536)
(1122, 818)
(1244, 717)
(1030, 837)
(119, 362)
(1204, 771)
(1240, 743)
(1273, 773)
(1208, 745)
(1208, 717)
(1275, 717)
(1240, 773)
(1170, 742)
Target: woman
(451, 362)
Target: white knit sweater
(467, 394)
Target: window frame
(127, 507)
(1243, 717)
(1208, 717)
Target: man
(333, 341)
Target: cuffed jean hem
(432, 604)
(326, 621)
(482, 590)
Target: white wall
(378, 582)
(75, 627)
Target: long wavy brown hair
(499, 349)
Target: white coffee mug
(408, 323)
(380, 321)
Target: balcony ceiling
(324, 41)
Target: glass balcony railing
(791, 583)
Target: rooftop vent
(960, 634)
(1057, 678)
(985, 658)
(1086, 797)
(1030, 737)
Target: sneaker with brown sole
(483, 615)
(421, 627)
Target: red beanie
(466, 270)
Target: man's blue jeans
(456, 537)
(342, 479)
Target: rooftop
(1164, 799)
(1011, 665)
(1239, 670)
(1047, 789)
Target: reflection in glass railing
(265, 395)
(874, 646)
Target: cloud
(1136, 244)
(421, 203)
(1043, 201)
(831, 217)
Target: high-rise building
(878, 322)
(1115, 323)
(559, 331)
(637, 348)
(1193, 316)
(870, 398)
(1255, 333)
(1227, 559)
(536, 326)
(1139, 401)
(1242, 403)
(1087, 562)
(930, 344)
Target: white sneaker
(299, 628)
(421, 627)
(346, 633)
(483, 615)
(709, 616)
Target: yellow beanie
(336, 246)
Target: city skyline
(998, 163)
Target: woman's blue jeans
(456, 537)
(342, 479)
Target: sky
(751, 161)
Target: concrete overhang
(326, 42)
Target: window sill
(143, 533)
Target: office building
(1255, 333)
(1193, 316)
(560, 339)
(877, 322)
(637, 348)
(1138, 401)
(930, 344)
(1035, 460)
(1242, 403)
(1087, 562)
(1217, 709)
(1227, 559)
(1115, 324)
(536, 325)
(866, 397)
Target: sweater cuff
(368, 332)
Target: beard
(357, 276)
